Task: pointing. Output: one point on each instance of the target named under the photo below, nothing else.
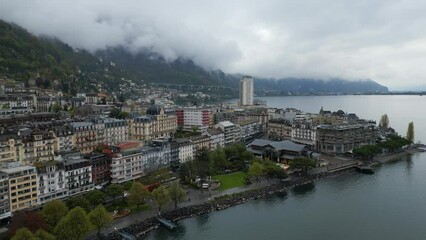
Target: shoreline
(144, 227)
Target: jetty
(168, 224)
(364, 169)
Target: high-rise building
(246, 91)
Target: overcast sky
(364, 39)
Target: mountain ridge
(25, 57)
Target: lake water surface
(390, 204)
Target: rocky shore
(141, 229)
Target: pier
(168, 224)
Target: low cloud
(383, 41)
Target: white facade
(186, 153)
(246, 91)
(133, 163)
(52, 182)
(304, 132)
(217, 138)
(188, 118)
(230, 130)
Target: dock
(365, 169)
(168, 224)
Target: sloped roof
(281, 145)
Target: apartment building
(304, 132)
(23, 186)
(155, 125)
(9, 147)
(52, 183)
(230, 130)
(4, 196)
(78, 174)
(84, 136)
(217, 138)
(199, 119)
(63, 136)
(279, 129)
(101, 167)
(338, 139)
(37, 145)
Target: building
(9, 147)
(155, 125)
(52, 182)
(200, 142)
(304, 132)
(23, 186)
(279, 129)
(131, 161)
(15, 111)
(217, 138)
(338, 139)
(78, 174)
(63, 139)
(230, 130)
(250, 129)
(199, 119)
(84, 136)
(281, 152)
(101, 167)
(116, 131)
(37, 145)
(186, 149)
(4, 196)
(246, 91)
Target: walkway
(193, 197)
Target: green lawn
(231, 180)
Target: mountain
(49, 62)
(302, 86)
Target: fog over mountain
(380, 40)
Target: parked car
(205, 185)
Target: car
(205, 185)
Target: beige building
(155, 125)
(37, 146)
(23, 185)
(279, 129)
(9, 144)
(84, 136)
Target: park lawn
(231, 180)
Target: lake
(386, 205)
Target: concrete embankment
(141, 229)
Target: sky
(384, 41)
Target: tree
(56, 107)
(78, 201)
(28, 219)
(202, 163)
(161, 196)
(410, 132)
(256, 169)
(137, 194)
(302, 163)
(100, 218)
(73, 226)
(95, 197)
(53, 211)
(24, 234)
(176, 193)
(218, 157)
(43, 235)
(384, 121)
(127, 185)
(114, 190)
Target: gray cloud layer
(381, 40)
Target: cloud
(380, 40)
